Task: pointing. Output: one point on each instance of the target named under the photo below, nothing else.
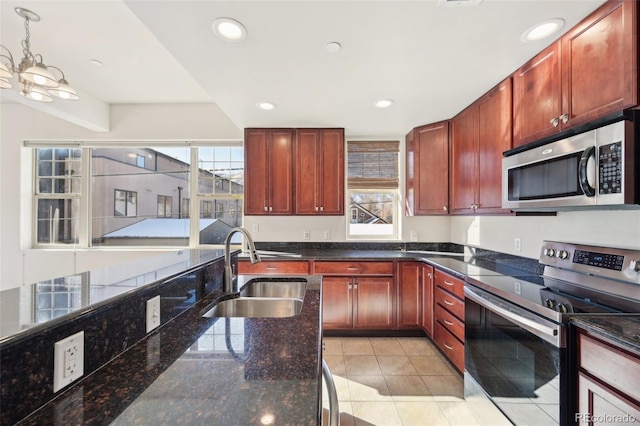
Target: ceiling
(432, 59)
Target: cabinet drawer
(353, 268)
(300, 267)
(620, 370)
(450, 283)
(451, 323)
(449, 302)
(450, 346)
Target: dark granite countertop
(197, 370)
(622, 329)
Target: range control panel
(610, 262)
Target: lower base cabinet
(357, 303)
(608, 391)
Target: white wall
(605, 227)
(21, 265)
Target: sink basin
(292, 289)
(256, 307)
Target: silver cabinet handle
(316, 208)
(449, 323)
(352, 268)
(355, 286)
(271, 268)
(321, 208)
(266, 209)
(447, 346)
(270, 209)
(554, 121)
(444, 208)
(564, 118)
(448, 282)
(446, 302)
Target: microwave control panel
(610, 168)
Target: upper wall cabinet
(427, 175)
(590, 72)
(268, 171)
(319, 171)
(479, 136)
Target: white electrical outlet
(414, 236)
(307, 235)
(153, 313)
(327, 235)
(517, 244)
(68, 360)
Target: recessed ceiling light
(383, 103)
(267, 106)
(333, 47)
(542, 30)
(229, 29)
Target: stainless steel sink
(293, 289)
(256, 307)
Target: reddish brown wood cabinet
(479, 136)
(449, 317)
(319, 166)
(410, 287)
(295, 267)
(608, 390)
(427, 172)
(427, 299)
(590, 72)
(268, 183)
(355, 297)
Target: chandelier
(35, 79)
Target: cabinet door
(427, 300)
(494, 137)
(537, 100)
(332, 171)
(431, 169)
(598, 401)
(337, 302)
(319, 171)
(268, 183)
(600, 63)
(374, 303)
(256, 182)
(280, 171)
(464, 160)
(307, 171)
(409, 294)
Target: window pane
(59, 173)
(218, 216)
(372, 213)
(142, 214)
(221, 170)
(57, 221)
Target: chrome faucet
(229, 278)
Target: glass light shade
(40, 75)
(64, 91)
(4, 84)
(4, 71)
(37, 94)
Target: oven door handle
(551, 334)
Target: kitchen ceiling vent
(459, 3)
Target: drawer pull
(447, 346)
(448, 283)
(272, 268)
(352, 268)
(448, 303)
(447, 322)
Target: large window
(136, 196)
(372, 182)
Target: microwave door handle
(586, 167)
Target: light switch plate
(68, 360)
(153, 313)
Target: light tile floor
(399, 381)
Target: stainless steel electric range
(519, 348)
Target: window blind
(372, 164)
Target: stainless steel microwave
(596, 169)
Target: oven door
(517, 359)
(555, 175)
